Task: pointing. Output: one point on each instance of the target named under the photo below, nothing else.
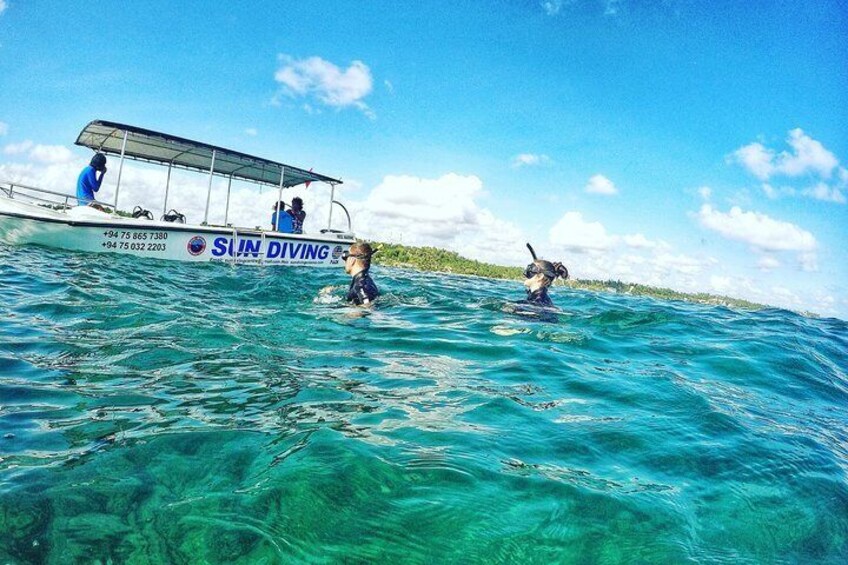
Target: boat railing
(50, 198)
(347, 214)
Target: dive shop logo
(337, 252)
(196, 245)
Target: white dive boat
(31, 215)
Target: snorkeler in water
(357, 263)
(538, 276)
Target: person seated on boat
(357, 263)
(297, 214)
(538, 276)
(89, 181)
(285, 225)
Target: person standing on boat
(89, 181)
(297, 214)
(285, 219)
(357, 263)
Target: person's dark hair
(363, 252)
(98, 162)
(279, 206)
(297, 200)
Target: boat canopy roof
(161, 148)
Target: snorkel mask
(347, 254)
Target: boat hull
(163, 240)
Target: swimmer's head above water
(541, 274)
(357, 258)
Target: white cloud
(529, 160)
(639, 241)
(51, 154)
(681, 263)
(252, 132)
(443, 212)
(763, 234)
(806, 157)
(18, 148)
(322, 81)
(721, 284)
(575, 234)
(39, 153)
(769, 190)
(808, 262)
(768, 263)
(599, 184)
(822, 191)
(632, 257)
(705, 193)
(4, 127)
(389, 86)
(757, 159)
(756, 229)
(3, 6)
(773, 192)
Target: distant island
(436, 260)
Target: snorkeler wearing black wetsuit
(362, 289)
(357, 262)
(538, 276)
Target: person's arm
(90, 182)
(98, 179)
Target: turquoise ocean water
(158, 412)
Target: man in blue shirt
(285, 219)
(90, 179)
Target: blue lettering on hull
(223, 246)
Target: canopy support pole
(167, 185)
(332, 197)
(279, 197)
(209, 192)
(120, 169)
(227, 209)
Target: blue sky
(695, 145)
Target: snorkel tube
(533, 253)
